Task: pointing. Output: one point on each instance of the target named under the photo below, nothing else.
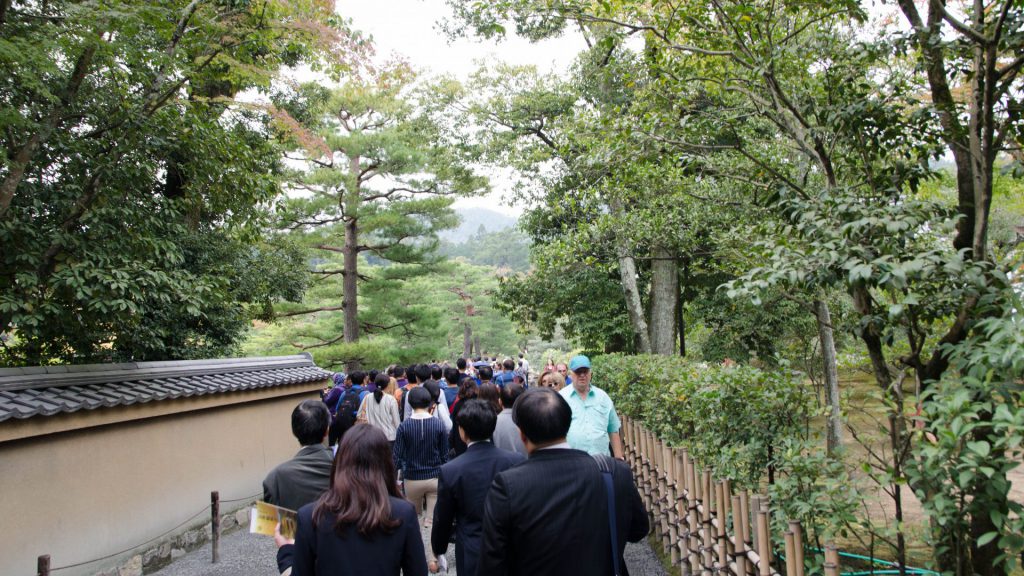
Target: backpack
(400, 396)
(345, 413)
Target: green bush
(731, 418)
(742, 422)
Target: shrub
(730, 418)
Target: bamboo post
(43, 565)
(727, 487)
(665, 500)
(707, 492)
(739, 543)
(668, 498)
(798, 547)
(723, 550)
(745, 531)
(679, 481)
(764, 550)
(790, 553)
(708, 543)
(686, 544)
(831, 560)
(755, 534)
(215, 525)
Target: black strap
(605, 464)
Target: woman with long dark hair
(361, 524)
(467, 391)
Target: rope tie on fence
(191, 518)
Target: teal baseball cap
(578, 362)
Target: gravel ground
(247, 554)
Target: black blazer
(320, 551)
(549, 515)
(461, 490)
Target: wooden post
(798, 547)
(215, 525)
(43, 565)
(764, 548)
(739, 544)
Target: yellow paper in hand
(264, 517)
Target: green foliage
(124, 158)
(818, 491)
(408, 313)
(586, 305)
(698, 406)
(974, 437)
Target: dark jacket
(461, 490)
(549, 515)
(300, 480)
(319, 551)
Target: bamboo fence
(690, 512)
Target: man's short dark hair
(485, 373)
(509, 364)
(436, 371)
(452, 376)
(478, 419)
(398, 372)
(423, 373)
(434, 387)
(419, 398)
(509, 394)
(520, 355)
(542, 415)
(410, 374)
(460, 364)
(310, 420)
(357, 377)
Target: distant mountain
(472, 219)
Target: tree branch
(310, 311)
(19, 163)
(963, 28)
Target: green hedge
(731, 418)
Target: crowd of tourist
(524, 479)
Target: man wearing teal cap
(595, 425)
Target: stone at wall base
(132, 568)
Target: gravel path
(253, 555)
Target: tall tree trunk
(350, 281)
(467, 340)
(834, 428)
(476, 345)
(627, 277)
(681, 307)
(664, 301)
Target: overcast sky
(409, 28)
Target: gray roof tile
(49, 390)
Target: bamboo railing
(690, 510)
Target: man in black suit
(302, 479)
(549, 515)
(464, 483)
